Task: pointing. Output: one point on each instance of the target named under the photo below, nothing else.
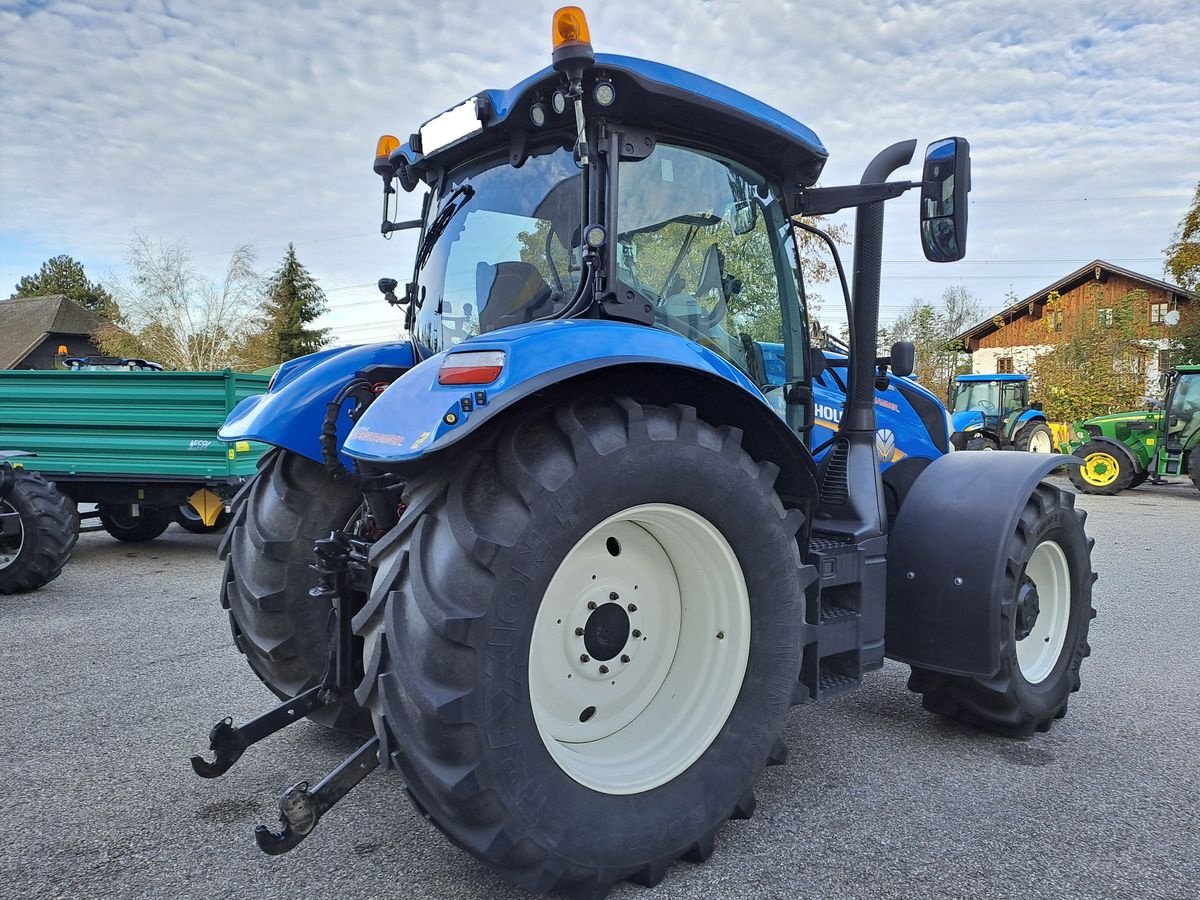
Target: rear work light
(471, 367)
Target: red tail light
(471, 367)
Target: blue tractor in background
(567, 558)
(993, 412)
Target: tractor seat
(510, 293)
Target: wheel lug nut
(614, 596)
(583, 657)
(636, 633)
(720, 635)
(578, 632)
(604, 670)
(624, 657)
(591, 604)
(632, 607)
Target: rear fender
(291, 413)
(946, 558)
(417, 418)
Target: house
(1011, 339)
(34, 329)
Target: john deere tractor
(1122, 450)
(567, 558)
(993, 412)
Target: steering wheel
(986, 406)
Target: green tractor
(1122, 450)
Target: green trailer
(141, 444)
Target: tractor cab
(993, 412)
(1181, 417)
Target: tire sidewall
(1046, 697)
(603, 826)
(1125, 469)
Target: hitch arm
(300, 809)
(230, 743)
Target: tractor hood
(1117, 419)
(966, 420)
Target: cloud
(222, 122)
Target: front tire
(283, 631)
(38, 530)
(120, 522)
(982, 443)
(484, 655)
(1107, 469)
(1045, 613)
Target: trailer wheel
(1046, 615)
(189, 520)
(120, 522)
(1106, 469)
(583, 640)
(1035, 437)
(282, 631)
(38, 530)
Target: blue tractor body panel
(417, 416)
(291, 413)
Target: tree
(173, 315)
(63, 275)
(1183, 266)
(294, 302)
(1099, 365)
(933, 330)
(1183, 253)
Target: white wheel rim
(1039, 442)
(671, 686)
(10, 545)
(1038, 652)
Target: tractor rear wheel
(38, 530)
(283, 632)
(1107, 469)
(1035, 437)
(1194, 466)
(120, 522)
(583, 640)
(1045, 616)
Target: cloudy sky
(218, 123)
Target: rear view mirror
(944, 187)
(904, 358)
(742, 216)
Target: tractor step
(301, 808)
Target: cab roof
(670, 101)
(1005, 377)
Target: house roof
(1066, 283)
(26, 321)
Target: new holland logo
(885, 443)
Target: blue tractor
(993, 412)
(568, 557)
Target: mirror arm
(823, 201)
(389, 227)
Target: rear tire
(120, 522)
(1107, 469)
(1043, 635)
(470, 641)
(1194, 466)
(1035, 438)
(48, 527)
(282, 631)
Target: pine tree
(294, 301)
(63, 275)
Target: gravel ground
(112, 676)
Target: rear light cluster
(471, 367)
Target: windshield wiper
(438, 225)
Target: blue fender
(291, 413)
(416, 416)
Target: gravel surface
(113, 675)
